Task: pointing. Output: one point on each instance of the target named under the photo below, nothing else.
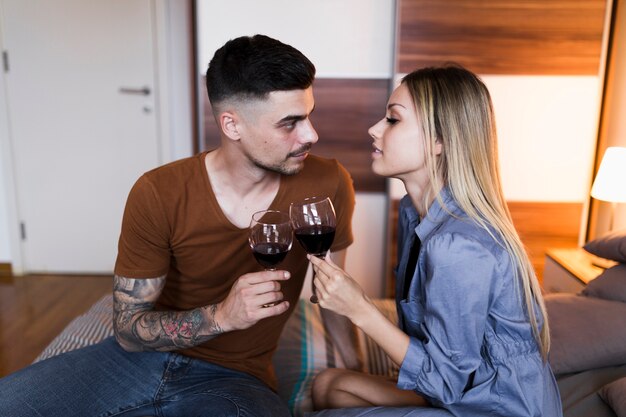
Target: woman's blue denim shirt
(472, 349)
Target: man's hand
(253, 297)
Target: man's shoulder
(178, 167)
(174, 177)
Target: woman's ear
(438, 147)
(228, 124)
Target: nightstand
(571, 269)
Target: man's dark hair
(253, 67)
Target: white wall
(547, 127)
(347, 38)
(175, 51)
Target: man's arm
(138, 327)
(342, 331)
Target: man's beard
(282, 168)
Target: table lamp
(610, 182)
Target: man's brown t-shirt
(174, 226)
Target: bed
(588, 331)
(305, 349)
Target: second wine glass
(314, 224)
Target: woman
(473, 337)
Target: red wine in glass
(315, 240)
(270, 237)
(270, 254)
(314, 223)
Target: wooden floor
(34, 309)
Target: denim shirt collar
(436, 215)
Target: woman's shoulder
(462, 235)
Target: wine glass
(270, 237)
(314, 224)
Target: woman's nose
(374, 131)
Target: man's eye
(288, 125)
(392, 121)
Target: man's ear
(228, 122)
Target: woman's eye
(391, 120)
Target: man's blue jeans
(105, 380)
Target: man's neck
(240, 187)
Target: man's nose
(308, 134)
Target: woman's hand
(337, 291)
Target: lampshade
(610, 181)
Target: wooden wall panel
(344, 110)
(543, 225)
(540, 225)
(503, 36)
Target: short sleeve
(143, 248)
(344, 202)
(458, 283)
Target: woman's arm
(341, 330)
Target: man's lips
(300, 152)
(376, 149)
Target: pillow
(610, 246)
(614, 394)
(304, 349)
(586, 332)
(610, 285)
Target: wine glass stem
(274, 303)
(314, 298)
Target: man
(194, 334)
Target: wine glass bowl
(270, 237)
(314, 223)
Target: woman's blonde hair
(455, 109)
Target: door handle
(144, 91)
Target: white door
(83, 127)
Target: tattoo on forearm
(141, 328)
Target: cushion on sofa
(614, 394)
(586, 332)
(304, 349)
(610, 246)
(609, 285)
